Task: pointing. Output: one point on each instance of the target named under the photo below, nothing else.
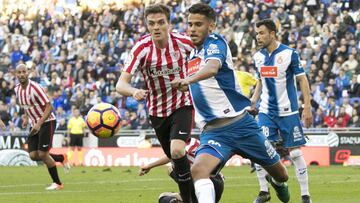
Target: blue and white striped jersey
(219, 96)
(278, 72)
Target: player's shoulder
(283, 47)
(215, 38)
(144, 40)
(180, 35)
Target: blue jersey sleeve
(295, 64)
(215, 48)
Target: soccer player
(161, 57)
(32, 97)
(278, 69)
(76, 129)
(191, 147)
(221, 110)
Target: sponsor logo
(175, 55)
(194, 66)
(297, 134)
(163, 71)
(269, 71)
(270, 149)
(182, 133)
(333, 139)
(213, 49)
(342, 155)
(226, 111)
(349, 140)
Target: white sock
(300, 170)
(205, 191)
(261, 173)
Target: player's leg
(270, 131)
(293, 136)
(32, 142)
(205, 163)
(252, 144)
(45, 138)
(181, 122)
(217, 180)
(163, 128)
(215, 149)
(79, 145)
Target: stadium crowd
(76, 51)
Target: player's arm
(123, 87)
(305, 90)
(256, 96)
(145, 169)
(211, 68)
(44, 117)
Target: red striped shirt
(191, 148)
(159, 67)
(33, 99)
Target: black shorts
(43, 139)
(177, 126)
(76, 140)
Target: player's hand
(180, 84)
(35, 129)
(253, 111)
(307, 117)
(140, 94)
(144, 170)
(25, 121)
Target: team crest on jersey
(213, 49)
(194, 66)
(279, 60)
(269, 71)
(175, 55)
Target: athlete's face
(158, 26)
(22, 74)
(199, 27)
(264, 36)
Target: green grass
(122, 185)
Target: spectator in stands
(330, 120)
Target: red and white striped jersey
(159, 67)
(190, 148)
(33, 99)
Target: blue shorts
(287, 128)
(243, 137)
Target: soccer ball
(103, 120)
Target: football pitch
(122, 185)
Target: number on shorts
(265, 131)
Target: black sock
(218, 186)
(185, 181)
(54, 175)
(57, 157)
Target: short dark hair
(157, 8)
(203, 9)
(268, 23)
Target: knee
(34, 156)
(198, 172)
(295, 153)
(284, 177)
(177, 153)
(42, 155)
